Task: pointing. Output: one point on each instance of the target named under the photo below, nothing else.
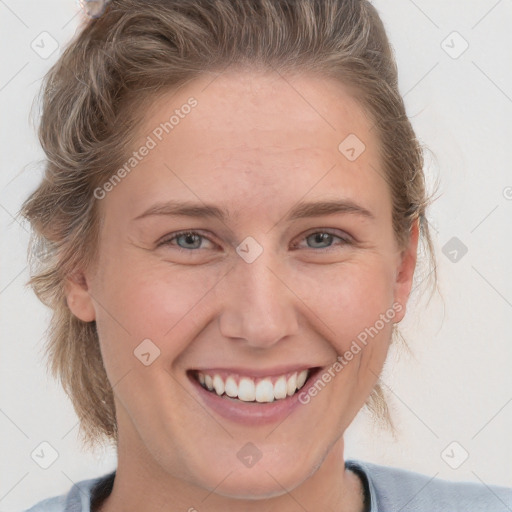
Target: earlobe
(78, 297)
(405, 270)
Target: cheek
(137, 301)
(350, 297)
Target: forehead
(243, 103)
(252, 133)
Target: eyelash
(345, 240)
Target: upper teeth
(248, 390)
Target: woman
(233, 196)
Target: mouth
(245, 388)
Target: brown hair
(138, 49)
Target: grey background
(457, 388)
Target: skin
(254, 146)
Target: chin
(256, 483)
(257, 486)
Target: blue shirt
(387, 489)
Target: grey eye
(190, 239)
(321, 238)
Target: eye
(185, 240)
(325, 239)
(193, 240)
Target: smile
(248, 389)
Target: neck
(142, 486)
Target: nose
(258, 305)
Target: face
(246, 251)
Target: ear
(78, 297)
(405, 271)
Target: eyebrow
(300, 211)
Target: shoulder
(55, 504)
(78, 499)
(395, 489)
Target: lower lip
(252, 413)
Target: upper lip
(254, 372)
